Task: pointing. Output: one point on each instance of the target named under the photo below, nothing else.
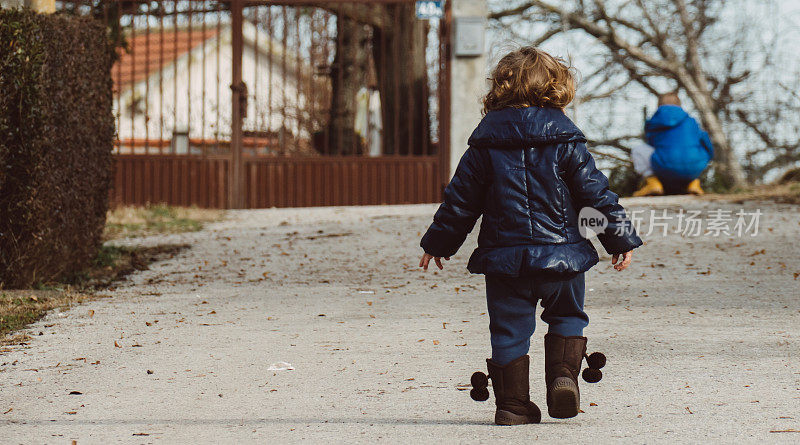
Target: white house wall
(208, 116)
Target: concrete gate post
(467, 73)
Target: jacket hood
(524, 127)
(666, 116)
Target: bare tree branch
(617, 142)
(517, 10)
(769, 141)
(620, 159)
(610, 38)
(691, 38)
(547, 35)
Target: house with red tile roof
(172, 93)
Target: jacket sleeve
(705, 141)
(463, 204)
(589, 188)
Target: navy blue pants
(512, 311)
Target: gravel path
(702, 336)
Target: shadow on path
(262, 421)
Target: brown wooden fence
(277, 182)
(172, 179)
(308, 182)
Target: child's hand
(423, 263)
(626, 260)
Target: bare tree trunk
(399, 51)
(348, 75)
(399, 43)
(695, 81)
(728, 167)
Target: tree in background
(662, 45)
(349, 72)
(398, 44)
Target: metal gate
(237, 104)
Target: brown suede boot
(511, 386)
(562, 364)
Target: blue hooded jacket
(682, 149)
(528, 172)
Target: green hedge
(56, 137)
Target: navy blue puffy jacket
(528, 172)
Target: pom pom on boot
(595, 361)
(480, 387)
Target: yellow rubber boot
(652, 187)
(694, 188)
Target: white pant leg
(641, 154)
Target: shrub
(56, 137)
(623, 180)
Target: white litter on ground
(280, 366)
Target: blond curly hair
(529, 77)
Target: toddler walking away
(528, 172)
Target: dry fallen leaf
(436, 342)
